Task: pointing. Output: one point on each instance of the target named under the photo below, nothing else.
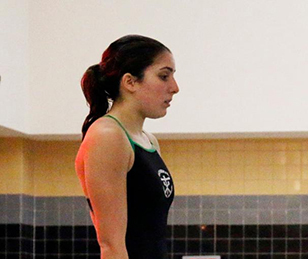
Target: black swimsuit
(150, 192)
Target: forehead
(164, 60)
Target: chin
(157, 115)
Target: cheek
(152, 92)
(151, 103)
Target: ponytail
(92, 84)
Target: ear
(128, 82)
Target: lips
(168, 102)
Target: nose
(175, 87)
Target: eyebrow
(169, 68)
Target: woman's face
(158, 86)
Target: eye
(164, 77)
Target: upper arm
(107, 159)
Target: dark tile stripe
(241, 241)
(228, 210)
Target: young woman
(127, 184)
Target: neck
(130, 118)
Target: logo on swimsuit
(166, 180)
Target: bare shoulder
(105, 140)
(106, 130)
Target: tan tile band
(199, 167)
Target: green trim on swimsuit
(132, 142)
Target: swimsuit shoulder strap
(126, 132)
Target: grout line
(34, 225)
(300, 230)
(21, 210)
(58, 226)
(73, 228)
(6, 224)
(201, 222)
(186, 225)
(215, 229)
